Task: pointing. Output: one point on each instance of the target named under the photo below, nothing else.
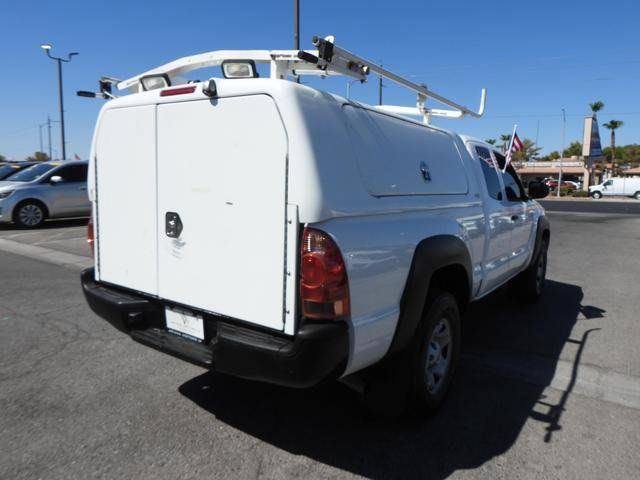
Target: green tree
(529, 151)
(613, 125)
(596, 107)
(574, 149)
(3, 158)
(491, 141)
(38, 157)
(505, 141)
(551, 156)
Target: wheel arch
(30, 200)
(442, 261)
(543, 235)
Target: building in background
(573, 170)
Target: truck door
(125, 198)
(498, 224)
(221, 219)
(520, 217)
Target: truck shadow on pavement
(482, 417)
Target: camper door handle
(173, 224)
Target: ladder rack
(327, 60)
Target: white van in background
(627, 186)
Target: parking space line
(590, 381)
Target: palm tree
(491, 141)
(529, 150)
(613, 125)
(596, 107)
(505, 141)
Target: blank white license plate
(185, 324)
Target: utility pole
(564, 126)
(47, 48)
(49, 134)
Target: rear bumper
(316, 353)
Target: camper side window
(489, 172)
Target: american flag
(516, 146)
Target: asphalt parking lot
(548, 391)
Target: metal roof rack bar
(328, 59)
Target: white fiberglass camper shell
(276, 232)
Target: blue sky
(535, 57)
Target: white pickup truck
(268, 230)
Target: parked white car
(289, 235)
(627, 186)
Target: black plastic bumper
(318, 352)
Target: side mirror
(55, 179)
(538, 190)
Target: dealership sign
(591, 146)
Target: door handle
(173, 224)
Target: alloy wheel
(439, 353)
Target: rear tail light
(324, 287)
(91, 237)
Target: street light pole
(349, 87)
(40, 131)
(47, 48)
(564, 126)
(296, 24)
(49, 134)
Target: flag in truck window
(514, 146)
(517, 144)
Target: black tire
(29, 214)
(398, 384)
(637, 196)
(429, 382)
(596, 195)
(529, 285)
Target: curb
(48, 255)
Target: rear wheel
(416, 380)
(596, 195)
(529, 285)
(637, 196)
(29, 214)
(434, 353)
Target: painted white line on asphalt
(63, 259)
(592, 214)
(588, 380)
